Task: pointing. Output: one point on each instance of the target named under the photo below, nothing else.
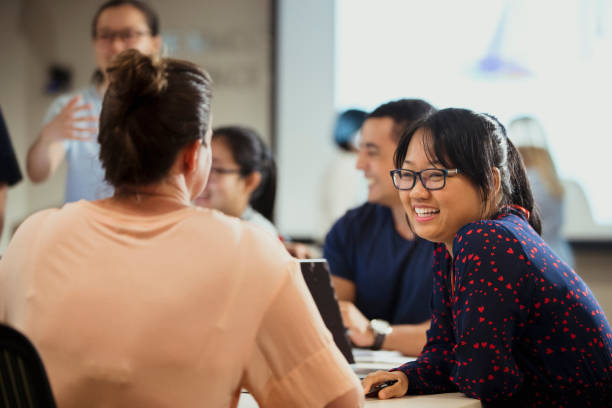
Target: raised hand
(45, 155)
(69, 125)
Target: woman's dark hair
(347, 124)
(475, 143)
(152, 109)
(251, 154)
(150, 15)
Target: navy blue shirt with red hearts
(517, 325)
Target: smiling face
(375, 159)
(226, 190)
(437, 215)
(121, 28)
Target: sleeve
(337, 250)
(493, 297)
(9, 167)
(3, 290)
(295, 362)
(430, 373)
(17, 254)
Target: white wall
(305, 110)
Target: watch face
(380, 326)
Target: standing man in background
(382, 272)
(70, 129)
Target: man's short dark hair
(404, 113)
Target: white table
(386, 360)
(450, 400)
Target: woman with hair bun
(512, 324)
(142, 299)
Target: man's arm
(344, 288)
(408, 339)
(44, 156)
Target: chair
(23, 379)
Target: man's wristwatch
(381, 329)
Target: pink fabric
(177, 310)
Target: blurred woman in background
(242, 180)
(529, 137)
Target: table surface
(450, 400)
(384, 360)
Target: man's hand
(67, 125)
(357, 324)
(45, 155)
(399, 389)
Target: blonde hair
(539, 159)
(528, 135)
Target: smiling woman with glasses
(512, 322)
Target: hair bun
(133, 75)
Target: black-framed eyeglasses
(432, 179)
(223, 171)
(126, 36)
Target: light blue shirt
(251, 215)
(85, 178)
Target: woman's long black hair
(252, 154)
(475, 143)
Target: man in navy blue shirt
(381, 271)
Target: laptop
(317, 278)
(363, 361)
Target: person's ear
(496, 181)
(191, 156)
(495, 193)
(251, 182)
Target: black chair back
(23, 379)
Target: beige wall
(230, 38)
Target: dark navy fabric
(392, 275)
(518, 326)
(9, 168)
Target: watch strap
(378, 341)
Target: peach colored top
(175, 310)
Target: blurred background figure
(530, 139)
(9, 168)
(343, 186)
(242, 180)
(70, 125)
